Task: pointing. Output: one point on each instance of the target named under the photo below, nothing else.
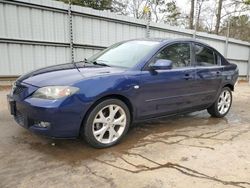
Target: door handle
(218, 73)
(187, 77)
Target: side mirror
(162, 64)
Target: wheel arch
(231, 86)
(111, 96)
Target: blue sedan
(131, 81)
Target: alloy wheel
(109, 124)
(224, 102)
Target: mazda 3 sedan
(130, 81)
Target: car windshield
(125, 54)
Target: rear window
(204, 56)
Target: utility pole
(227, 38)
(191, 15)
(196, 18)
(71, 33)
(148, 17)
(248, 67)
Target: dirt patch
(188, 150)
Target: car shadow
(75, 150)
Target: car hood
(66, 74)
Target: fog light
(42, 124)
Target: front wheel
(107, 123)
(222, 105)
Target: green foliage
(170, 10)
(119, 7)
(239, 27)
(95, 4)
(173, 13)
(247, 2)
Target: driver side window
(178, 53)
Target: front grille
(18, 89)
(19, 118)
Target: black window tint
(204, 56)
(178, 53)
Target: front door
(165, 92)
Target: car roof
(164, 41)
(168, 40)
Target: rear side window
(204, 56)
(179, 53)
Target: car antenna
(84, 62)
(74, 63)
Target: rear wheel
(222, 105)
(107, 123)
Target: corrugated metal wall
(35, 33)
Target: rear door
(208, 73)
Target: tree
(161, 10)
(164, 10)
(211, 15)
(247, 2)
(135, 8)
(172, 13)
(119, 7)
(230, 8)
(95, 4)
(218, 16)
(199, 26)
(157, 8)
(239, 27)
(191, 16)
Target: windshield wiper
(86, 61)
(102, 64)
(93, 62)
(82, 61)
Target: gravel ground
(190, 150)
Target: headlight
(54, 92)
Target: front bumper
(64, 116)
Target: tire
(106, 124)
(222, 105)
